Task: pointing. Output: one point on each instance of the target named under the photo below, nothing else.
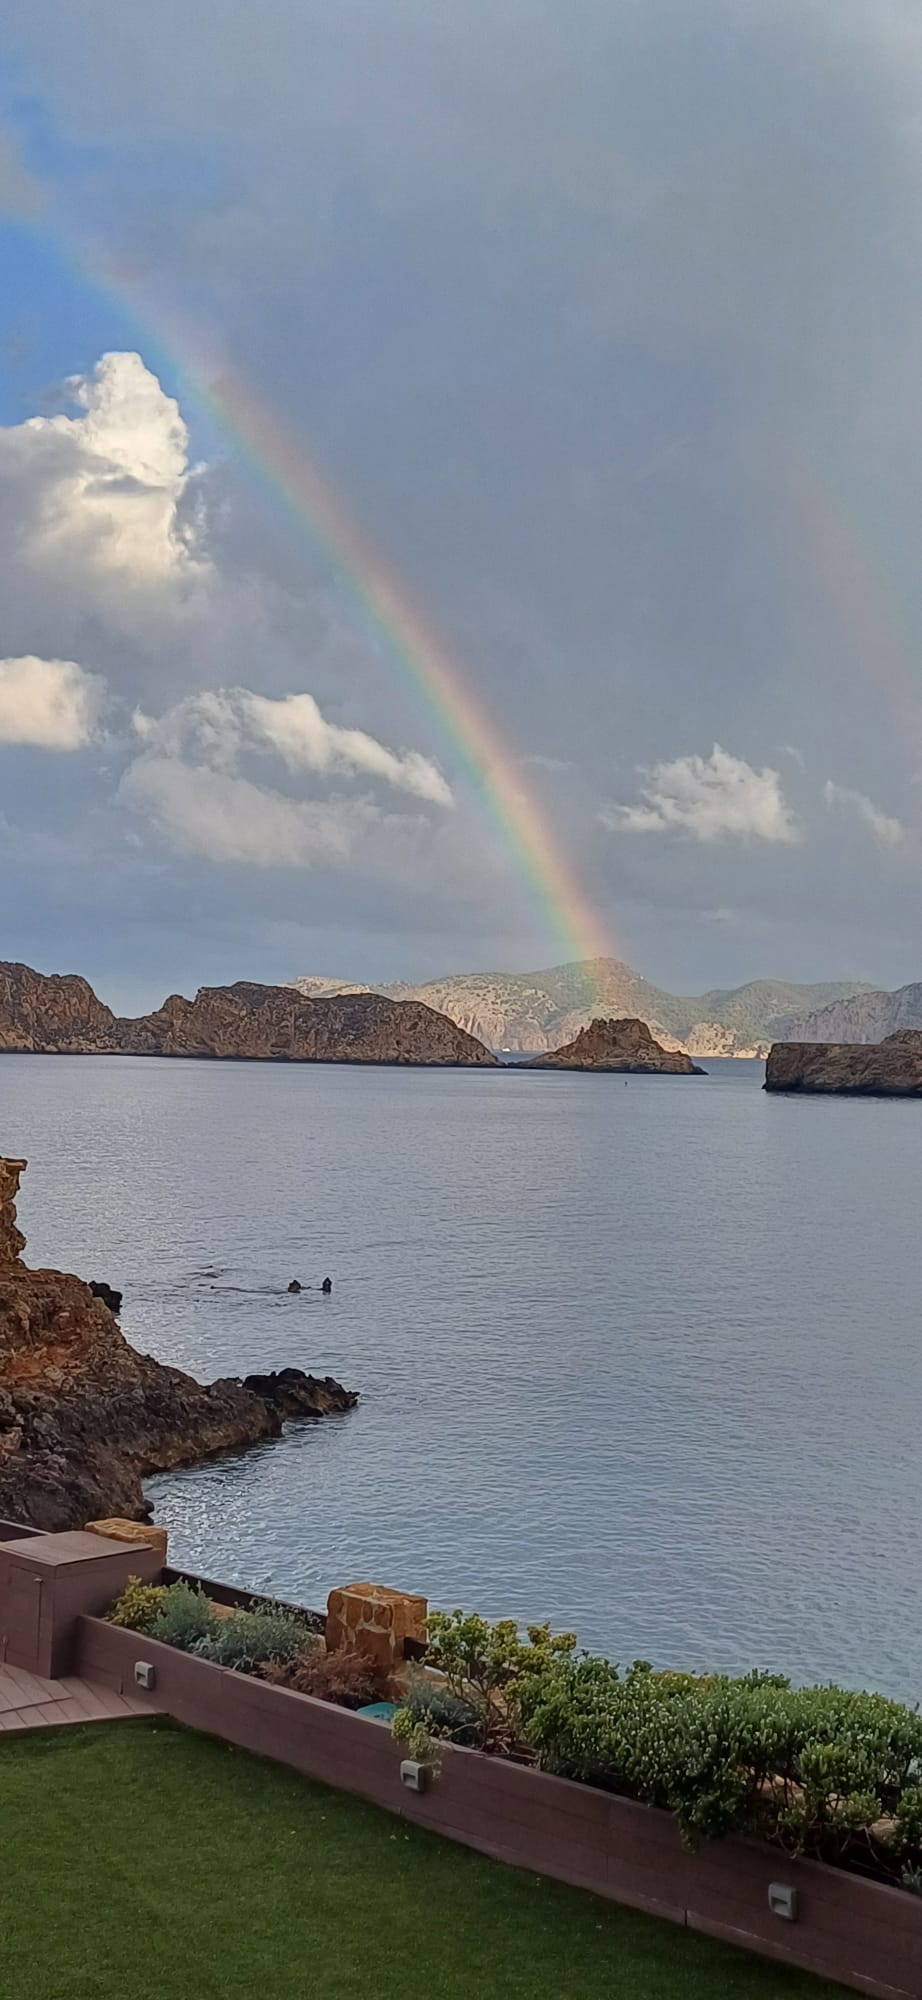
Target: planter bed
(863, 1933)
(238, 1599)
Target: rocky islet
(891, 1068)
(625, 1045)
(59, 1014)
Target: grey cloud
(21, 196)
(886, 830)
(604, 321)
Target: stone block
(131, 1531)
(371, 1619)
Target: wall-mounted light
(782, 1901)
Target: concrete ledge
(862, 1933)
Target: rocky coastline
(84, 1418)
(59, 1014)
(617, 1045)
(891, 1068)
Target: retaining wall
(862, 1933)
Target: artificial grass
(138, 1862)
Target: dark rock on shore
(891, 1068)
(618, 1045)
(62, 1016)
(84, 1418)
(109, 1297)
(294, 1394)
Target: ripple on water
(646, 1361)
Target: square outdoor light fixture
(782, 1901)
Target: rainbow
(403, 634)
(383, 603)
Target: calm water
(645, 1361)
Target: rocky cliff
(53, 1014)
(538, 1011)
(58, 1016)
(891, 1068)
(866, 1017)
(84, 1417)
(618, 1045)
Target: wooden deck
(29, 1703)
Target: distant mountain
(866, 1017)
(532, 1012)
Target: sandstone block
(371, 1619)
(131, 1531)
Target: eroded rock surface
(12, 1241)
(84, 1417)
(891, 1068)
(277, 1024)
(618, 1045)
(246, 1022)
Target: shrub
(183, 1618)
(484, 1665)
(348, 1679)
(817, 1770)
(250, 1638)
(441, 1713)
(138, 1605)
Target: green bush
(483, 1666)
(818, 1770)
(183, 1618)
(138, 1605)
(251, 1638)
(441, 1713)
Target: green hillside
(536, 1011)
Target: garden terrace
(140, 1859)
(715, 1804)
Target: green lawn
(141, 1863)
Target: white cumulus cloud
(103, 490)
(886, 830)
(52, 704)
(709, 798)
(221, 725)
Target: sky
(603, 325)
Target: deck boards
(27, 1702)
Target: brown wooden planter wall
(863, 1933)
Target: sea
(639, 1357)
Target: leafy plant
(431, 1706)
(484, 1665)
(183, 1618)
(415, 1737)
(350, 1680)
(817, 1770)
(250, 1638)
(138, 1605)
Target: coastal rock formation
(276, 1024)
(537, 1012)
(53, 1014)
(618, 1045)
(84, 1417)
(891, 1068)
(12, 1240)
(42, 1015)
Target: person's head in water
(327, 1285)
